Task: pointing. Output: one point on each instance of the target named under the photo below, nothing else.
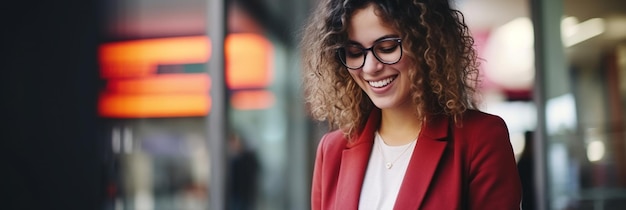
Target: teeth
(381, 83)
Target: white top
(382, 184)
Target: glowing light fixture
(509, 55)
(595, 151)
(573, 32)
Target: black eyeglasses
(387, 51)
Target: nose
(372, 65)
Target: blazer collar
(354, 161)
(430, 146)
(355, 157)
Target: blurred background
(196, 104)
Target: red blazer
(471, 167)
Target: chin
(383, 104)
(391, 103)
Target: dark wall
(49, 143)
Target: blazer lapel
(428, 150)
(354, 162)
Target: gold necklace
(388, 164)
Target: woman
(397, 78)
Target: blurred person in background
(397, 79)
(525, 167)
(244, 171)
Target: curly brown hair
(435, 38)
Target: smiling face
(387, 85)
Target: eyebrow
(377, 40)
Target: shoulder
(334, 140)
(329, 151)
(474, 120)
(488, 155)
(480, 130)
(476, 116)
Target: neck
(399, 127)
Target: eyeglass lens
(388, 51)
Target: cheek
(404, 64)
(403, 70)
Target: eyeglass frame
(364, 51)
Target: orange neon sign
(135, 106)
(252, 99)
(253, 69)
(141, 57)
(135, 89)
